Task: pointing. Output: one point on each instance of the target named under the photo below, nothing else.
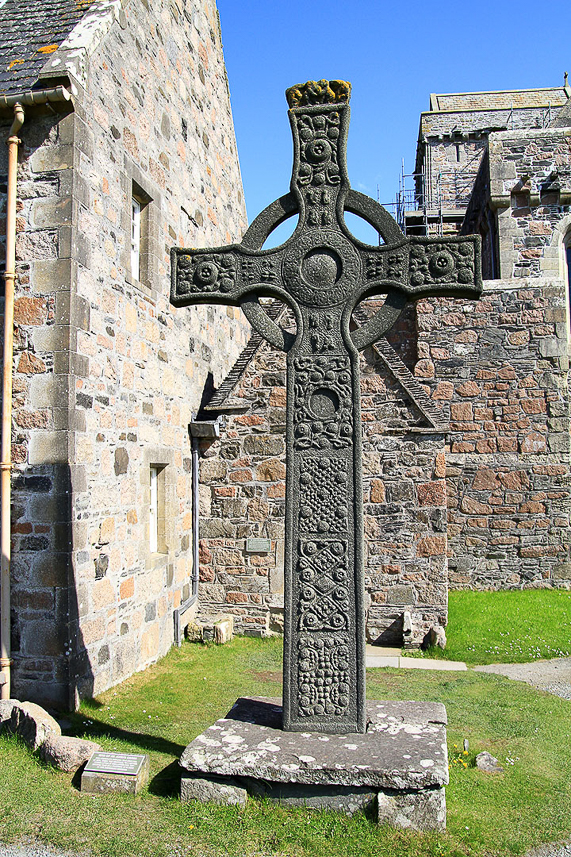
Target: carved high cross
(322, 272)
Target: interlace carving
(322, 272)
(323, 496)
(319, 162)
(392, 266)
(442, 262)
(206, 272)
(323, 595)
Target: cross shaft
(322, 272)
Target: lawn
(161, 710)
(516, 626)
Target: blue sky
(395, 54)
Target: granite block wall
(530, 187)
(243, 496)
(453, 142)
(107, 374)
(499, 368)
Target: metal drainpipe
(5, 455)
(16, 103)
(198, 429)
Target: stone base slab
(398, 767)
(223, 790)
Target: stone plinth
(109, 773)
(399, 762)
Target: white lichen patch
(426, 763)
(209, 742)
(267, 745)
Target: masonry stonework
(498, 367)
(526, 179)
(243, 496)
(107, 374)
(466, 462)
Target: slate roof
(222, 398)
(499, 100)
(31, 30)
(222, 394)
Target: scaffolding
(414, 197)
(422, 206)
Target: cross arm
(232, 275)
(206, 276)
(414, 269)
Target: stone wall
(499, 367)
(107, 374)
(41, 428)
(477, 119)
(243, 495)
(530, 186)
(452, 143)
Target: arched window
(567, 246)
(556, 261)
(566, 266)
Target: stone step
(376, 656)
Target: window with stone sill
(140, 211)
(157, 529)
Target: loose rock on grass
(488, 763)
(66, 753)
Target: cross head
(322, 272)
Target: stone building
(126, 149)
(243, 496)
(465, 406)
(453, 137)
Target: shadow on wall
(51, 662)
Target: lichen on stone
(318, 92)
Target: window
(140, 262)
(157, 543)
(135, 238)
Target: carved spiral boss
(322, 271)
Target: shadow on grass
(153, 743)
(167, 782)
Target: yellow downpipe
(6, 452)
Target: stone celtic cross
(322, 272)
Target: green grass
(507, 627)
(161, 710)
